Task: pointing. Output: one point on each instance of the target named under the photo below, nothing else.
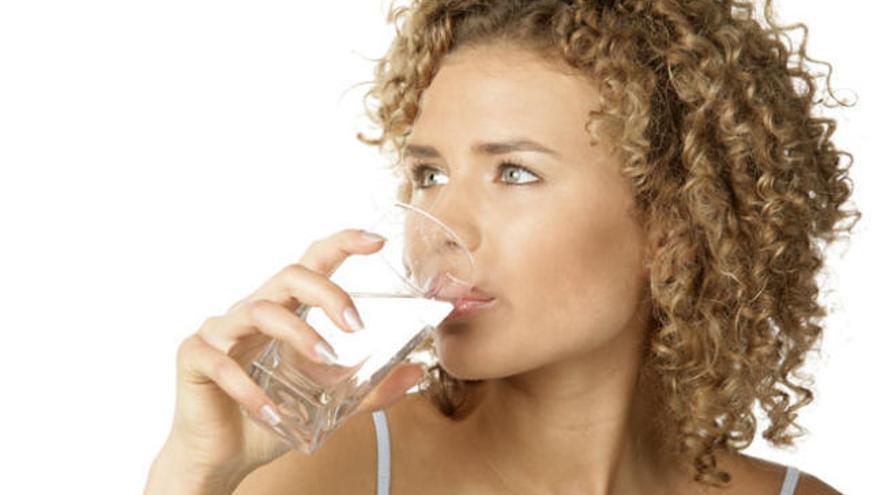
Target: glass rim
(451, 233)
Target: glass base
(302, 404)
(310, 412)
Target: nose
(458, 216)
(447, 250)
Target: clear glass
(402, 292)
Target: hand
(211, 378)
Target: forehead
(498, 92)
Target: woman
(643, 186)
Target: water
(314, 398)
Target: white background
(162, 159)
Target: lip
(467, 307)
(448, 288)
(466, 299)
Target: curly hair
(735, 176)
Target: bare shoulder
(347, 461)
(812, 485)
(757, 475)
(344, 464)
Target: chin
(462, 360)
(466, 358)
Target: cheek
(577, 280)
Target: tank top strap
(791, 478)
(383, 451)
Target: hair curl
(735, 179)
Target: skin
(559, 250)
(562, 409)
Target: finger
(267, 318)
(325, 255)
(276, 320)
(298, 284)
(199, 362)
(319, 261)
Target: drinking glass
(402, 292)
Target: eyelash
(417, 169)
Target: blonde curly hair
(736, 181)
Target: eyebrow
(484, 148)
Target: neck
(579, 426)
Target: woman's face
(553, 241)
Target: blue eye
(418, 169)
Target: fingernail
(371, 237)
(325, 353)
(352, 319)
(269, 415)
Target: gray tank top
(383, 450)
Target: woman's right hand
(209, 432)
